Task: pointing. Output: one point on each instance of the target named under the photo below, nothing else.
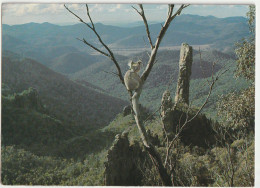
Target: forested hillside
(165, 74)
(69, 101)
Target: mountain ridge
(74, 103)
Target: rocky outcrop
(185, 64)
(167, 112)
(199, 131)
(121, 167)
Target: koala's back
(132, 80)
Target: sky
(14, 13)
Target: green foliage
(6, 90)
(245, 50)
(20, 167)
(251, 18)
(68, 101)
(234, 161)
(233, 164)
(246, 58)
(32, 128)
(238, 110)
(42, 139)
(89, 172)
(193, 170)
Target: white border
(224, 2)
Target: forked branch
(141, 13)
(92, 27)
(93, 47)
(163, 30)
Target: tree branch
(77, 17)
(159, 39)
(142, 14)
(95, 48)
(111, 55)
(115, 74)
(93, 26)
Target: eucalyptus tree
(135, 94)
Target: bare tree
(134, 97)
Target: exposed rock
(121, 167)
(198, 132)
(185, 64)
(167, 112)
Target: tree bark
(154, 155)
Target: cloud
(96, 8)
(76, 6)
(32, 9)
(115, 8)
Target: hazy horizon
(114, 23)
(112, 14)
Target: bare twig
(187, 120)
(142, 14)
(93, 47)
(93, 26)
(110, 53)
(80, 19)
(159, 39)
(114, 74)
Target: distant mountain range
(49, 44)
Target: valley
(64, 120)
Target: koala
(131, 78)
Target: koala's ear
(140, 63)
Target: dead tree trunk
(185, 63)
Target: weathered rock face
(121, 167)
(198, 132)
(167, 112)
(185, 64)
